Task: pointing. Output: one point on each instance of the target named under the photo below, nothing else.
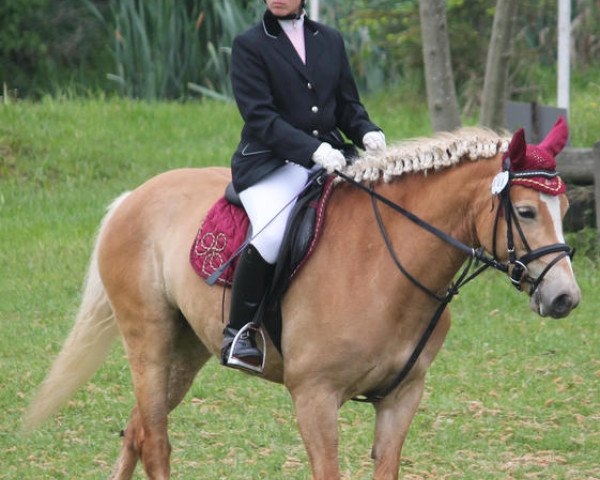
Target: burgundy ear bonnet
(528, 159)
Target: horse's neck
(449, 200)
(452, 199)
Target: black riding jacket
(288, 107)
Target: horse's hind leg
(165, 357)
(129, 455)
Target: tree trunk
(495, 86)
(441, 93)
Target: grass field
(510, 396)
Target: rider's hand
(329, 158)
(374, 141)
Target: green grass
(509, 396)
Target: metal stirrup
(236, 362)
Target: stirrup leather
(236, 362)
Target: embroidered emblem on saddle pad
(226, 227)
(223, 231)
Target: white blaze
(553, 204)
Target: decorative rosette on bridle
(535, 165)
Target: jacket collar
(273, 28)
(313, 43)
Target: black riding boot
(249, 285)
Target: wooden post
(597, 185)
(577, 165)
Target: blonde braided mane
(425, 154)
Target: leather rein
(477, 262)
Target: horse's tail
(86, 346)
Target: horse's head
(527, 228)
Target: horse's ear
(557, 138)
(517, 149)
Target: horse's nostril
(562, 305)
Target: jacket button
(315, 133)
(315, 109)
(309, 86)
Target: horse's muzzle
(557, 307)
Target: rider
(294, 88)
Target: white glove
(329, 158)
(374, 141)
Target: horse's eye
(526, 213)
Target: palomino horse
(351, 319)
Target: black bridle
(517, 267)
(477, 262)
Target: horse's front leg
(394, 415)
(396, 411)
(317, 414)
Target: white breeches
(265, 200)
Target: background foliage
(161, 47)
(395, 40)
(164, 49)
(51, 45)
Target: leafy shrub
(45, 43)
(222, 22)
(155, 46)
(21, 47)
(162, 47)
